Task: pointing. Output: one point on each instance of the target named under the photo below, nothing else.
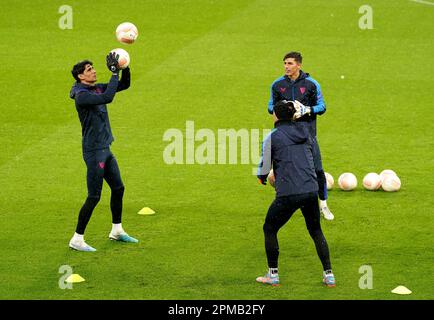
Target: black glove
(112, 62)
(262, 179)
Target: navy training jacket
(304, 89)
(288, 150)
(90, 102)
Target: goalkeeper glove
(262, 179)
(112, 62)
(300, 110)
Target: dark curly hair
(79, 68)
(295, 55)
(284, 110)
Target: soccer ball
(391, 183)
(124, 58)
(127, 33)
(330, 180)
(386, 173)
(271, 179)
(372, 181)
(347, 181)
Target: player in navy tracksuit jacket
(90, 102)
(300, 86)
(288, 151)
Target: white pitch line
(424, 2)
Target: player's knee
(268, 228)
(119, 191)
(93, 200)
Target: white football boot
(328, 215)
(80, 246)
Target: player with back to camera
(90, 101)
(300, 87)
(287, 149)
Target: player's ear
(81, 76)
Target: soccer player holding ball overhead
(287, 149)
(91, 101)
(301, 88)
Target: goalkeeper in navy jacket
(90, 102)
(288, 150)
(298, 86)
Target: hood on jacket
(76, 88)
(302, 75)
(296, 132)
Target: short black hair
(79, 67)
(284, 110)
(295, 55)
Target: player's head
(84, 72)
(292, 62)
(284, 110)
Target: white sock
(273, 271)
(117, 228)
(328, 272)
(322, 203)
(78, 237)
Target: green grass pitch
(212, 62)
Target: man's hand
(112, 62)
(300, 110)
(263, 179)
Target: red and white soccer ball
(127, 33)
(372, 181)
(347, 181)
(330, 180)
(391, 183)
(271, 179)
(387, 173)
(124, 57)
